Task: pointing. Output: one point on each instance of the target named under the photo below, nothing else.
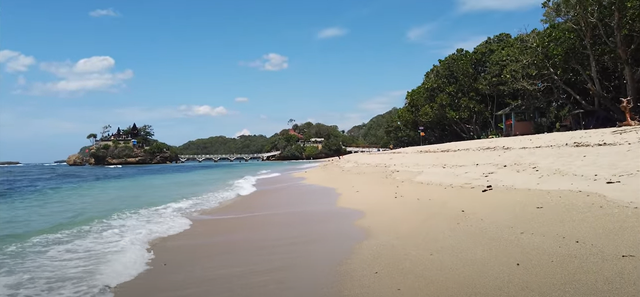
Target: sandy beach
(545, 215)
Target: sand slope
(433, 232)
(580, 161)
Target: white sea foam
(113, 166)
(87, 260)
(263, 171)
(310, 165)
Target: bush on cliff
(99, 156)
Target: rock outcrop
(122, 155)
(76, 160)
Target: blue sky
(195, 69)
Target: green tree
(105, 130)
(310, 152)
(92, 138)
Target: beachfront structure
(121, 136)
(520, 121)
(317, 142)
(292, 132)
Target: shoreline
(277, 241)
(434, 221)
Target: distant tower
(118, 134)
(134, 131)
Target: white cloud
(420, 32)
(137, 113)
(90, 74)
(243, 132)
(502, 5)
(104, 12)
(468, 44)
(383, 102)
(16, 61)
(202, 110)
(269, 62)
(332, 32)
(241, 99)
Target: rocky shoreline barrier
(123, 155)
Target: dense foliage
(585, 59)
(290, 145)
(147, 147)
(216, 145)
(374, 132)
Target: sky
(195, 69)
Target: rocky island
(9, 163)
(129, 146)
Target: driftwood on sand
(631, 120)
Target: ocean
(77, 231)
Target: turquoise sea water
(75, 231)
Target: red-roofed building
(296, 134)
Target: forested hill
(290, 144)
(376, 131)
(244, 144)
(584, 60)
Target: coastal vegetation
(572, 72)
(132, 145)
(294, 143)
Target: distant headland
(307, 141)
(128, 146)
(9, 163)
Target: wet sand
(286, 239)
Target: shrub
(123, 151)
(310, 151)
(99, 156)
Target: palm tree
(290, 122)
(92, 138)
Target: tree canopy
(584, 59)
(292, 146)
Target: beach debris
(625, 106)
(517, 264)
(488, 188)
(463, 210)
(538, 207)
(628, 256)
(613, 182)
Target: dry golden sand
(562, 218)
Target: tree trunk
(623, 51)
